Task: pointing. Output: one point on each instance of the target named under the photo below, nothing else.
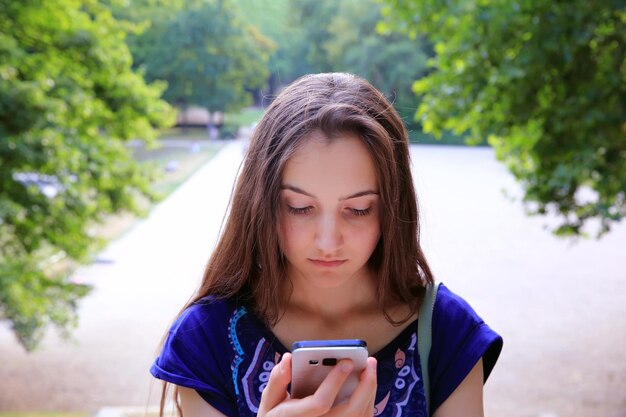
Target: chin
(329, 279)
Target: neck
(357, 295)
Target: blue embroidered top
(224, 352)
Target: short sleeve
(195, 355)
(460, 338)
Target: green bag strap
(424, 335)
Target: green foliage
(341, 36)
(272, 18)
(246, 117)
(545, 82)
(389, 60)
(311, 20)
(319, 36)
(68, 102)
(234, 121)
(204, 51)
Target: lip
(328, 264)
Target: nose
(329, 236)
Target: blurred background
(123, 124)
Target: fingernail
(346, 366)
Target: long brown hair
(247, 263)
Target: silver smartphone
(312, 360)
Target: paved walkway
(560, 307)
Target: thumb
(276, 390)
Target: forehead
(340, 165)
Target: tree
(205, 53)
(545, 82)
(389, 60)
(342, 36)
(312, 19)
(68, 103)
(273, 19)
(318, 36)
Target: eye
(361, 212)
(299, 210)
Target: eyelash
(306, 210)
(363, 212)
(298, 210)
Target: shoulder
(456, 325)
(217, 324)
(201, 338)
(199, 329)
(205, 315)
(199, 350)
(460, 338)
(452, 310)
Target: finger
(322, 400)
(317, 404)
(276, 390)
(362, 400)
(365, 393)
(331, 385)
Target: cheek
(282, 238)
(367, 236)
(374, 238)
(291, 234)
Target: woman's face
(329, 211)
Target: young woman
(322, 242)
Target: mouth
(328, 264)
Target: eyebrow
(301, 191)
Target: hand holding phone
(312, 360)
(276, 400)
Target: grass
(245, 117)
(189, 133)
(447, 138)
(183, 162)
(232, 122)
(186, 161)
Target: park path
(559, 306)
